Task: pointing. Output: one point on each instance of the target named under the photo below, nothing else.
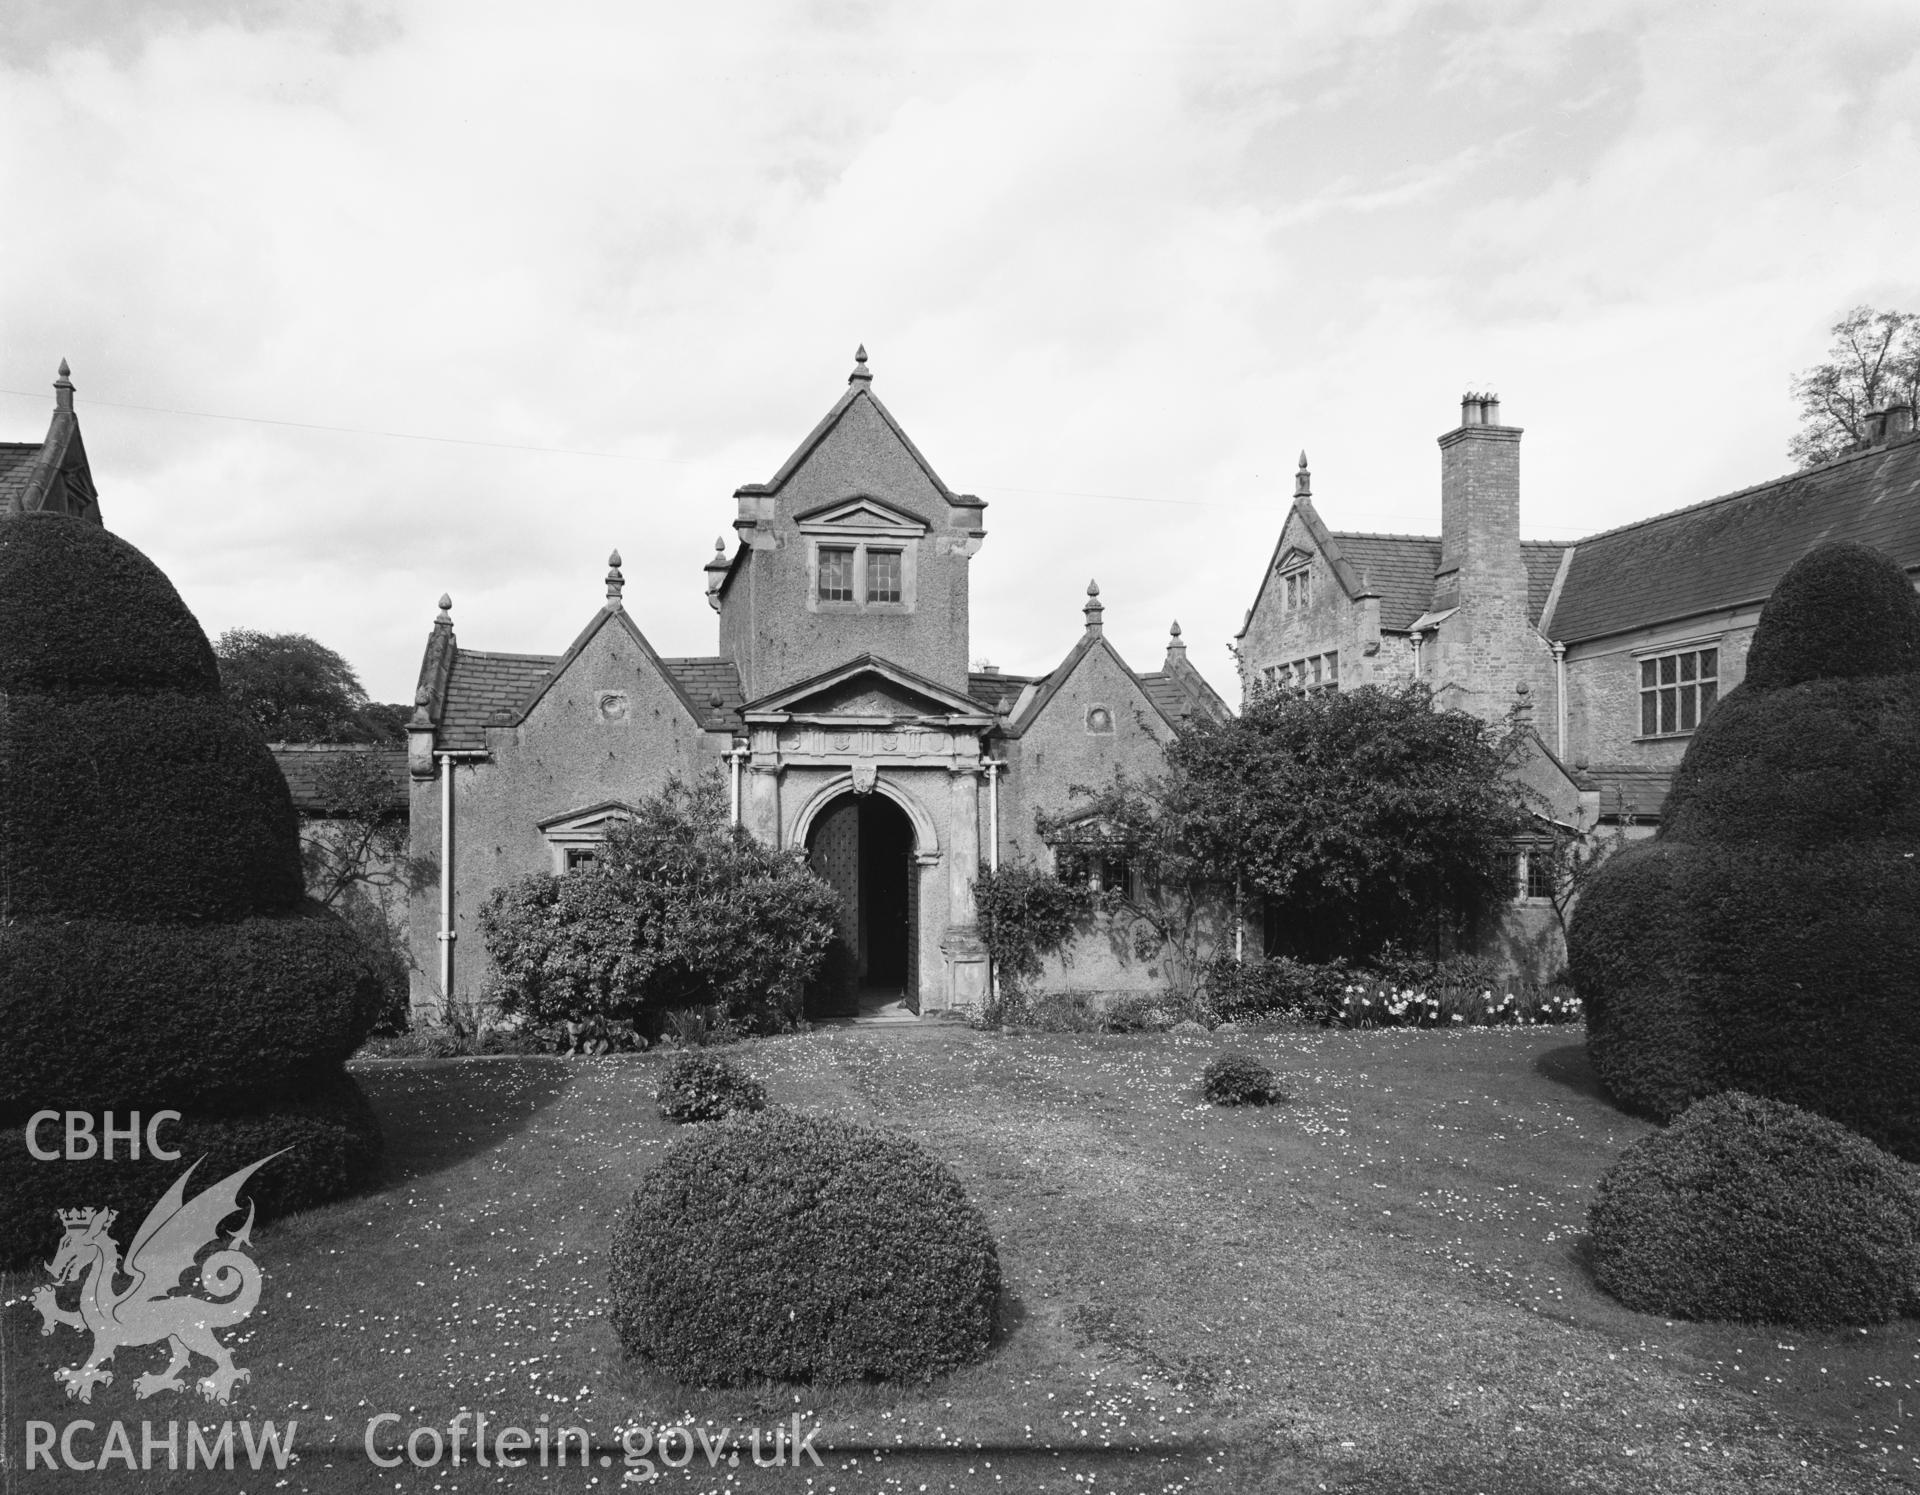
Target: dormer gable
(862, 516)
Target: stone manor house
(839, 701)
(840, 704)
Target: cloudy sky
(369, 302)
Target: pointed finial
(615, 581)
(445, 618)
(1303, 479)
(1176, 646)
(1094, 607)
(860, 369)
(1175, 630)
(719, 545)
(63, 388)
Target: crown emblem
(74, 1219)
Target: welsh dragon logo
(147, 1311)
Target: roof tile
(1731, 551)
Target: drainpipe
(1239, 927)
(992, 767)
(734, 755)
(1560, 695)
(447, 935)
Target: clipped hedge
(1842, 612)
(143, 807)
(706, 1087)
(1807, 765)
(1756, 1211)
(82, 612)
(333, 1131)
(100, 1013)
(802, 1249)
(1768, 939)
(1240, 1080)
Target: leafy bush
(1756, 1211)
(802, 1249)
(1277, 987)
(148, 808)
(333, 1132)
(99, 1013)
(1239, 1080)
(1768, 938)
(679, 910)
(83, 613)
(1025, 915)
(706, 1087)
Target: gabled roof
(1730, 552)
(50, 476)
(1174, 691)
(303, 763)
(858, 388)
(486, 689)
(1323, 541)
(789, 697)
(1165, 691)
(1401, 569)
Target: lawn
(1375, 1288)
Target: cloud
(1140, 249)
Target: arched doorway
(862, 845)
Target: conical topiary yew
(156, 948)
(1767, 939)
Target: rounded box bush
(1768, 938)
(99, 1013)
(1755, 1211)
(705, 1087)
(332, 1131)
(1240, 1080)
(802, 1249)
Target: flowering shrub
(1378, 1003)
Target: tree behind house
(296, 689)
(1874, 362)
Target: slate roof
(301, 763)
(991, 688)
(702, 680)
(1639, 790)
(1171, 693)
(16, 473)
(485, 689)
(1400, 568)
(1731, 551)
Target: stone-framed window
(1316, 672)
(835, 570)
(1677, 689)
(1296, 589)
(862, 557)
(1529, 873)
(1099, 720)
(574, 839)
(883, 575)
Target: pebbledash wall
(1605, 647)
(841, 680)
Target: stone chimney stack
(1480, 507)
